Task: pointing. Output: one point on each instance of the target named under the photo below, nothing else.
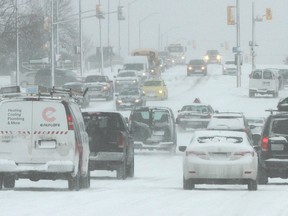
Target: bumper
(49, 167)
(221, 170)
(96, 94)
(276, 167)
(202, 123)
(155, 146)
(105, 160)
(262, 91)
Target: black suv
(110, 142)
(274, 145)
(153, 128)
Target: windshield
(126, 74)
(226, 139)
(134, 66)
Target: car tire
(9, 181)
(172, 150)
(251, 94)
(122, 171)
(1, 181)
(74, 182)
(188, 184)
(85, 180)
(252, 185)
(130, 170)
(262, 178)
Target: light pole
(128, 22)
(253, 43)
(238, 54)
(140, 22)
(165, 33)
(17, 46)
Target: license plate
(219, 156)
(277, 147)
(47, 144)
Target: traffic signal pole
(238, 55)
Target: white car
(219, 157)
(126, 79)
(229, 68)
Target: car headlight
(105, 87)
(144, 74)
(137, 100)
(117, 81)
(203, 68)
(190, 68)
(206, 58)
(160, 91)
(218, 57)
(182, 57)
(119, 101)
(134, 81)
(152, 70)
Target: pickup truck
(111, 143)
(99, 86)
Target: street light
(140, 22)
(128, 20)
(166, 33)
(253, 43)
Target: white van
(137, 63)
(264, 81)
(43, 138)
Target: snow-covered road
(156, 188)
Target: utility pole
(81, 39)
(238, 55)
(52, 45)
(17, 46)
(253, 38)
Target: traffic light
(268, 14)
(120, 13)
(99, 12)
(230, 15)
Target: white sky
(201, 21)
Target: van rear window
(280, 126)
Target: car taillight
(264, 143)
(70, 122)
(238, 155)
(121, 141)
(199, 154)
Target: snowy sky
(199, 22)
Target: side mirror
(182, 148)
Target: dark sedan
(129, 99)
(196, 66)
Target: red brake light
(70, 122)
(264, 143)
(121, 140)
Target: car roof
(204, 132)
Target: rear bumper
(262, 91)
(48, 167)
(155, 146)
(218, 170)
(106, 160)
(190, 123)
(276, 167)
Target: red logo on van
(47, 114)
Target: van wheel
(251, 94)
(1, 181)
(85, 180)
(74, 182)
(130, 171)
(9, 181)
(188, 184)
(262, 176)
(252, 185)
(121, 171)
